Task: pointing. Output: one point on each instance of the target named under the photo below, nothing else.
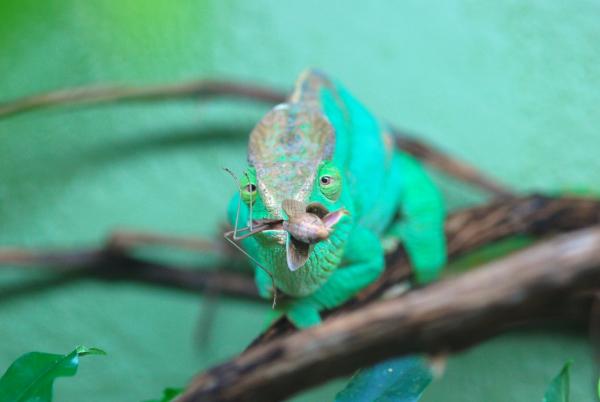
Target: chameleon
(323, 151)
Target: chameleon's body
(324, 146)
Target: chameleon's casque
(285, 149)
(324, 148)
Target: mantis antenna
(233, 236)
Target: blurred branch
(120, 242)
(127, 268)
(448, 165)
(90, 95)
(126, 240)
(444, 317)
(116, 261)
(121, 93)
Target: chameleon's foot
(302, 314)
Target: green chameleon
(322, 146)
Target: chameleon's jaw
(306, 225)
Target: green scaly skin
(322, 131)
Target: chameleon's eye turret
(248, 186)
(330, 180)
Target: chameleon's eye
(326, 180)
(330, 180)
(248, 186)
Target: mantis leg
(264, 283)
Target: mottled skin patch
(324, 132)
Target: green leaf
(395, 380)
(558, 390)
(168, 395)
(31, 376)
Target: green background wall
(510, 86)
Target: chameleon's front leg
(362, 264)
(421, 228)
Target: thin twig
(119, 242)
(445, 317)
(88, 95)
(126, 240)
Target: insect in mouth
(306, 226)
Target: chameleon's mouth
(306, 225)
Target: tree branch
(119, 242)
(448, 165)
(444, 317)
(90, 95)
(115, 261)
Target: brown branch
(445, 317)
(125, 240)
(120, 242)
(470, 229)
(127, 268)
(121, 93)
(116, 261)
(448, 165)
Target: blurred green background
(510, 86)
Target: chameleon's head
(290, 155)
